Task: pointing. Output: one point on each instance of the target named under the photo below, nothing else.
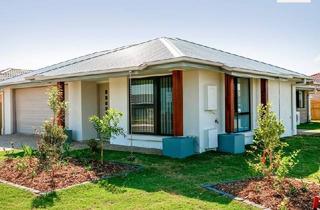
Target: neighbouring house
(303, 104)
(164, 87)
(315, 97)
(4, 75)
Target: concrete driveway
(17, 140)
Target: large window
(151, 106)
(242, 117)
(300, 99)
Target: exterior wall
(190, 103)
(209, 119)
(282, 97)
(304, 112)
(118, 88)
(8, 111)
(82, 105)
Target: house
(164, 87)
(315, 98)
(4, 75)
(303, 106)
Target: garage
(31, 109)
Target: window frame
(298, 99)
(236, 113)
(156, 106)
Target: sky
(38, 33)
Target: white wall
(282, 98)
(82, 96)
(89, 96)
(209, 119)
(118, 93)
(190, 103)
(8, 110)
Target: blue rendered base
(178, 147)
(231, 143)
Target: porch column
(264, 91)
(8, 111)
(177, 99)
(61, 116)
(229, 103)
(82, 105)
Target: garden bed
(293, 193)
(29, 173)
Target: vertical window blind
(151, 105)
(242, 114)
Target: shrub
(269, 147)
(52, 135)
(107, 127)
(94, 146)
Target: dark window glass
(300, 96)
(242, 113)
(151, 105)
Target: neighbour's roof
(316, 78)
(11, 72)
(156, 51)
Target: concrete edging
(211, 187)
(39, 193)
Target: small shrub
(292, 191)
(107, 127)
(21, 165)
(52, 135)
(94, 146)
(27, 151)
(269, 149)
(66, 149)
(304, 186)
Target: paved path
(17, 140)
(304, 132)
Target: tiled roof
(144, 54)
(11, 73)
(316, 78)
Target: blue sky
(37, 33)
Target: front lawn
(309, 126)
(164, 183)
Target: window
(151, 106)
(300, 99)
(242, 116)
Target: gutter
(120, 71)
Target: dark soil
(28, 172)
(299, 195)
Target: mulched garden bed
(262, 191)
(27, 172)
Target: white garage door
(31, 109)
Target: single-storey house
(314, 98)
(165, 87)
(4, 75)
(303, 102)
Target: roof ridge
(174, 50)
(236, 55)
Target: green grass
(309, 126)
(164, 183)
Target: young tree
(272, 160)
(52, 135)
(107, 127)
